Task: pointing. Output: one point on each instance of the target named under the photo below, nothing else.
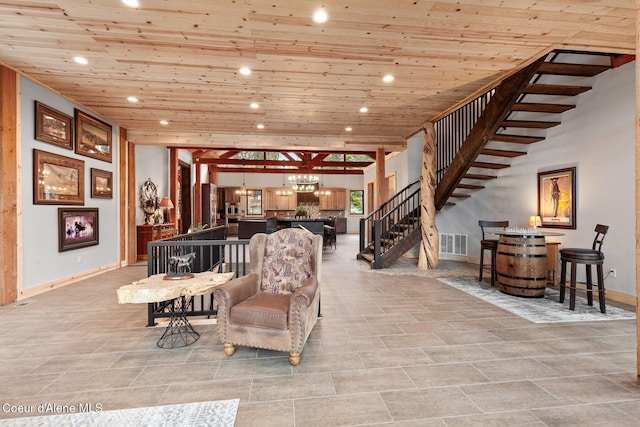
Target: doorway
(184, 197)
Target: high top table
(521, 261)
(179, 332)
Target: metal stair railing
(366, 223)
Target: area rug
(220, 413)
(539, 310)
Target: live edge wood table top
(156, 289)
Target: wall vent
(454, 244)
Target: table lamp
(165, 205)
(535, 221)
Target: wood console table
(149, 232)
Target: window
(254, 202)
(356, 202)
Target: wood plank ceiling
(181, 60)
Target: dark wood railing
(367, 234)
(395, 225)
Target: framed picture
(57, 180)
(93, 137)
(101, 184)
(53, 127)
(77, 228)
(557, 198)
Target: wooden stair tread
(460, 195)
(502, 153)
(470, 186)
(518, 139)
(478, 176)
(529, 124)
(565, 69)
(546, 89)
(487, 165)
(540, 107)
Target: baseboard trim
(64, 281)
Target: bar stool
(490, 245)
(589, 257)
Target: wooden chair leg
(589, 285)
(563, 273)
(601, 297)
(572, 288)
(494, 273)
(481, 263)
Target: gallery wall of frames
(60, 180)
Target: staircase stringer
(488, 123)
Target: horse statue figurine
(180, 266)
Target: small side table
(552, 262)
(178, 295)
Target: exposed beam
(291, 171)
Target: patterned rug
(539, 310)
(220, 413)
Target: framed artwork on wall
(77, 228)
(57, 180)
(557, 198)
(101, 184)
(93, 137)
(53, 127)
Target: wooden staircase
(518, 113)
(391, 230)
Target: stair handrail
(405, 213)
(387, 206)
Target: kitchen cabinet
(335, 201)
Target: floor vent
(454, 244)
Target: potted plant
(302, 211)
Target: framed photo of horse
(77, 228)
(557, 198)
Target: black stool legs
(572, 284)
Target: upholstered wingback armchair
(275, 306)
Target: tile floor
(390, 349)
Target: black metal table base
(179, 332)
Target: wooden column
(173, 185)
(637, 155)
(9, 185)
(197, 196)
(430, 244)
(381, 185)
(126, 199)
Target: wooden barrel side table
(521, 265)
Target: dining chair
(491, 245)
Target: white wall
(152, 162)
(597, 138)
(42, 263)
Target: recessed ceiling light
(348, 129)
(131, 3)
(255, 105)
(164, 122)
(320, 16)
(245, 71)
(80, 60)
(388, 78)
(363, 109)
(132, 99)
(260, 126)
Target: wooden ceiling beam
(291, 171)
(297, 163)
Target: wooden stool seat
(588, 257)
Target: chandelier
(303, 183)
(243, 190)
(321, 191)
